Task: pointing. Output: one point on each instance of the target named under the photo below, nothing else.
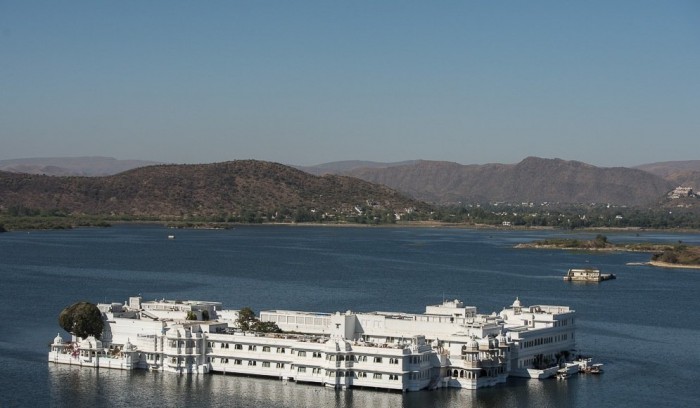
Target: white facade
(449, 345)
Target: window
(361, 358)
(237, 362)
(301, 369)
(317, 354)
(316, 370)
(266, 364)
(266, 349)
(377, 376)
(252, 347)
(301, 353)
(280, 365)
(361, 374)
(393, 377)
(280, 350)
(238, 347)
(252, 363)
(377, 359)
(393, 361)
(224, 361)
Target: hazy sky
(305, 82)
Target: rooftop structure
(450, 345)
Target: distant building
(681, 192)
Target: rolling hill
(225, 190)
(72, 166)
(680, 173)
(532, 180)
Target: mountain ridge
(225, 190)
(531, 180)
(72, 166)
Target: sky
(610, 83)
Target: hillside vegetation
(238, 191)
(532, 180)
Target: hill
(230, 191)
(532, 180)
(341, 167)
(72, 166)
(680, 173)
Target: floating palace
(450, 345)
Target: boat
(595, 369)
(586, 366)
(587, 275)
(171, 236)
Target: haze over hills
(72, 166)
(681, 173)
(227, 190)
(346, 166)
(532, 180)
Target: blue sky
(611, 83)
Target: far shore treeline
(221, 195)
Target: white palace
(450, 345)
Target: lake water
(644, 326)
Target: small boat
(587, 275)
(171, 236)
(586, 366)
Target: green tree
(248, 322)
(246, 317)
(600, 241)
(191, 315)
(82, 319)
(265, 327)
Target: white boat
(587, 275)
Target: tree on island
(248, 322)
(82, 319)
(600, 241)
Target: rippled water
(645, 326)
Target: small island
(664, 255)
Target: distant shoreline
(62, 223)
(671, 265)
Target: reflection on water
(75, 386)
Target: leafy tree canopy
(248, 322)
(82, 319)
